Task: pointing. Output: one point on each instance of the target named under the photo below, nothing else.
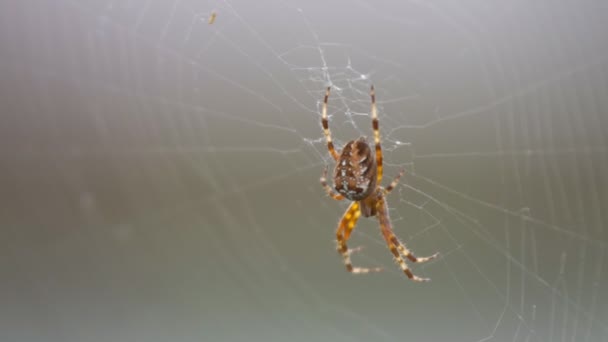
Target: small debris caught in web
(212, 18)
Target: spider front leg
(397, 247)
(345, 228)
(376, 127)
(326, 131)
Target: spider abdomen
(355, 172)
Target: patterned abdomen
(355, 172)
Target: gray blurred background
(159, 174)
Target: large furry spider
(357, 177)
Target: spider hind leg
(345, 228)
(396, 247)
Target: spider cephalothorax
(357, 177)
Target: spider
(357, 177)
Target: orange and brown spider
(358, 177)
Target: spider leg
(395, 246)
(376, 127)
(346, 226)
(326, 131)
(395, 181)
(328, 189)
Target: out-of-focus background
(159, 173)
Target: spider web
(161, 173)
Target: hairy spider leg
(345, 227)
(394, 244)
(328, 188)
(395, 181)
(376, 127)
(326, 131)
